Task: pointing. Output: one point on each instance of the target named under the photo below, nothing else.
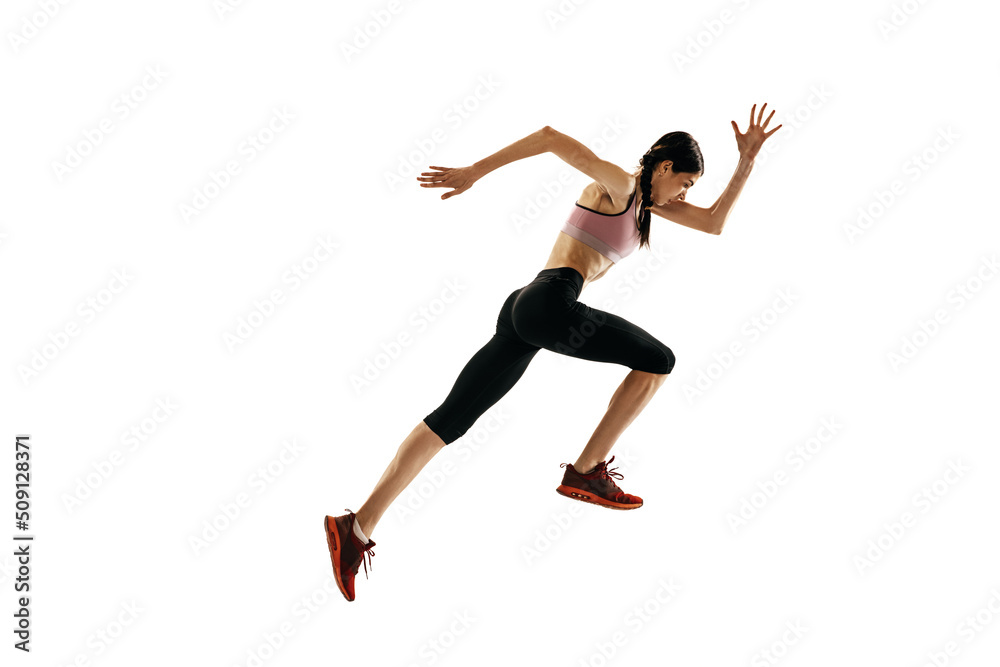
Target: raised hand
(461, 179)
(749, 142)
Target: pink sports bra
(614, 236)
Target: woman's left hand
(749, 142)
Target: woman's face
(668, 185)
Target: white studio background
(858, 272)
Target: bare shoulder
(596, 198)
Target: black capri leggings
(544, 313)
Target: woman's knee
(669, 360)
(661, 362)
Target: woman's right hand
(461, 179)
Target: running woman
(610, 220)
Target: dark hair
(683, 151)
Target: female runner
(610, 220)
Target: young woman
(610, 220)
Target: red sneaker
(346, 551)
(597, 487)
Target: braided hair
(684, 152)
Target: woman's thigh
(549, 316)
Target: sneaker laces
(366, 551)
(603, 472)
(607, 474)
(369, 551)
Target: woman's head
(671, 166)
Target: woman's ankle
(364, 523)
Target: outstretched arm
(612, 177)
(462, 178)
(535, 143)
(713, 218)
